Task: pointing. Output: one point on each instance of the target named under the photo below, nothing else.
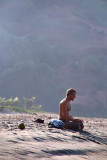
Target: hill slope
(48, 46)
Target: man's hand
(78, 120)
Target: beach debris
(21, 126)
(49, 117)
(39, 121)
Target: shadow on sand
(67, 152)
(87, 136)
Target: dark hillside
(48, 46)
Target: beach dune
(37, 141)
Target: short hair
(70, 91)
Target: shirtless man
(64, 112)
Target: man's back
(64, 108)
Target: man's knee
(82, 126)
(78, 126)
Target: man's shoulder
(63, 101)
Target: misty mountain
(48, 46)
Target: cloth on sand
(56, 123)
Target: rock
(21, 126)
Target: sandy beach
(37, 141)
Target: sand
(37, 141)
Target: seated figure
(64, 112)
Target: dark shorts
(76, 126)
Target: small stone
(21, 126)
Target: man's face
(73, 96)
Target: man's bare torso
(64, 109)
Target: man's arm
(73, 119)
(77, 120)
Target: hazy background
(48, 46)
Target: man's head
(71, 94)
